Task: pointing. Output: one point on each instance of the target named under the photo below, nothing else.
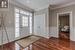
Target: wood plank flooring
(43, 44)
(64, 35)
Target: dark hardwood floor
(64, 35)
(43, 44)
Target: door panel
(39, 25)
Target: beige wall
(53, 20)
(65, 9)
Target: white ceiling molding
(38, 7)
(19, 5)
(61, 6)
(35, 4)
(42, 8)
(56, 7)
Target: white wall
(9, 23)
(9, 18)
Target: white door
(39, 25)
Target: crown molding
(21, 6)
(44, 7)
(57, 7)
(61, 6)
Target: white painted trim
(44, 7)
(71, 25)
(61, 6)
(64, 5)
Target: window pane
(16, 10)
(24, 21)
(30, 24)
(22, 12)
(25, 12)
(17, 23)
(17, 18)
(30, 14)
(17, 14)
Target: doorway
(64, 25)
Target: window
(17, 23)
(17, 10)
(24, 21)
(25, 18)
(30, 20)
(30, 24)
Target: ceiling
(40, 4)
